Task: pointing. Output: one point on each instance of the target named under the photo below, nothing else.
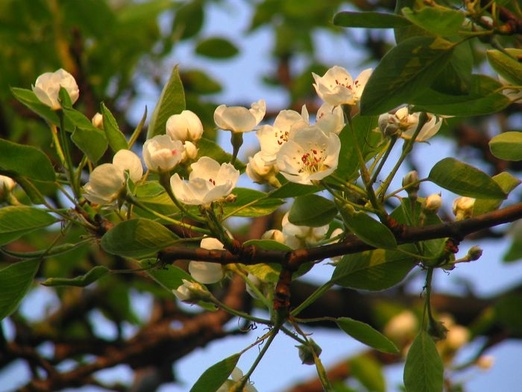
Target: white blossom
(260, 171)
(236, 378)
(185, 126)
(310, 155)
(191, 292)
(301, 236)
(205, 272)
(107, 181)
(337, 86)
(239, 119)
(330, 118)
(272, 137)
(208, 181)
(47, 88)
(161, 153)
(404, 124)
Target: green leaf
(199, 82)
(216, 48)
(115, 137)
(484, 97)
(16, 221)
(168, 276)
(367, 229)
(171, 101)
(137, 238)
(26, 161)
(404, 72)
(189, 20)
(437, 20)
(374, 270)
(216, 375)
(465, 180)
(15, 281)
(86, 136)
(370, 20)
(251, 203)
(368, 371)
(507, 146)
(80, 281)
(29, 99)
(291, 189)
(507, 183)
(423, 371)
(507, 65)
(312, 210)
(369, 139)
(364, 333)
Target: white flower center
(312, 161)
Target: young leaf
(80, 281)
(465, 180)
(29, 99)
(113, 134)
(423, 371)
(137, 238)
(484, 97)
(216, 48)
(171, 101)
(404, 72)
(507, 183)
(86, 136)
(369, 20)
(507, 65)
(368, 229)
(16, 221)
(507, 146)
(15, 281)
(437, 20)
(374, 270)
(364, 333)
(34, 165)
(292, 189)
(312, 210)
(216, 375)
(369, 372)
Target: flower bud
(474, 253)
(97, 120)
(402, 327)
(485, 362)
(463, 207)
(260, 171)
(190, 151)
(7, 184)
(456, 337)
(185, 126)
(411, 183)
(307, 352)
(162, 154)
(205, 272)
(275, 235)
(433, 202)
(191, 292)
(47, 88)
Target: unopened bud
(275, 235)
(190, 152)
(433, 202)
(97, 120)
(411, 183)
(463, 207)
(457, 337)
(307, 352)
(6, 186)
(474, 253)
(191, 292)
(485, 362)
